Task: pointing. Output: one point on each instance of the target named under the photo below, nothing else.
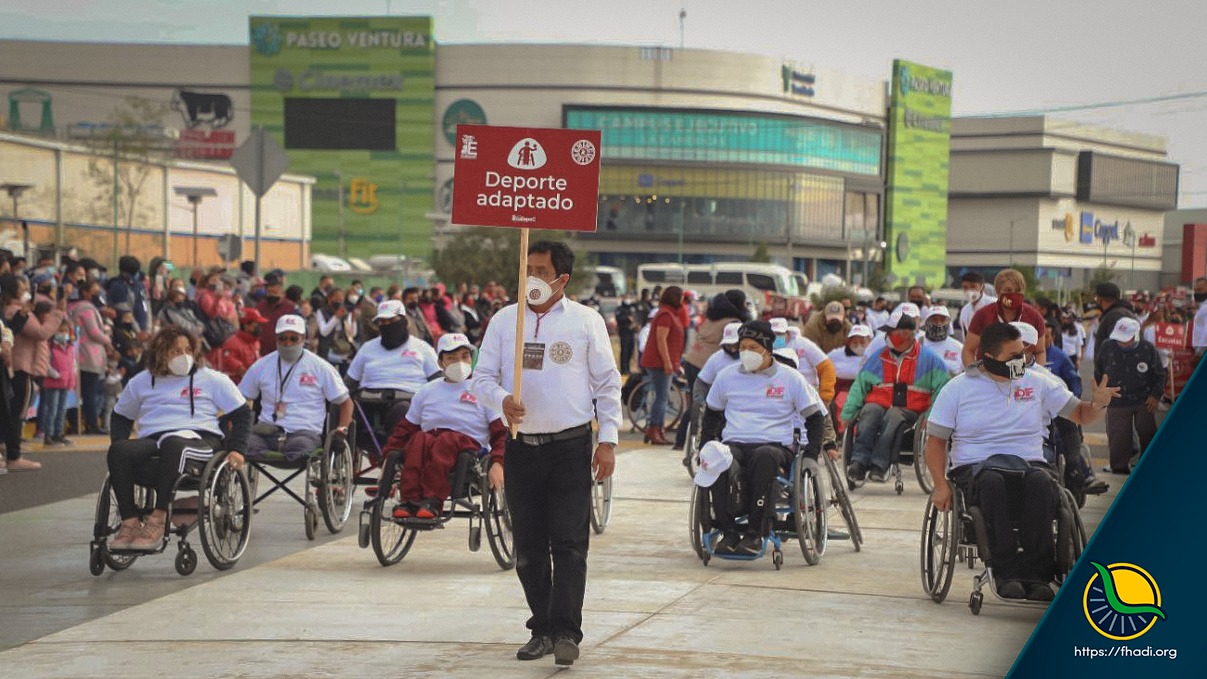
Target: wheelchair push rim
(224, 512)
(337, 482)
(601, 504)
(809, 510)
(940, 540)
(498, 527)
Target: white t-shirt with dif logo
(986, 417)
(294, 397)
(764, 406)
(846, 366)
(162, 404)
(448, 405)
(405, 368)
(950, 350)
(808, 357)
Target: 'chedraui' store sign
(352, 101)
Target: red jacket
(235, 355)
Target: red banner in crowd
(1181, 367)
(526, 177)
(1170, 336)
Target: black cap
(1108, 290)
(759, 331)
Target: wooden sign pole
(520, 312)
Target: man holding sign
(569, 377)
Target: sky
(1021, 55)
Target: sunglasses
(288, 339)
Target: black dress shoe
(1011, 589)
(565, 651)
(537, 647)
(1040, 592)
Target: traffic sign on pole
(260, 161)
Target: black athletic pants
(150, 463)
(1033, 500)
(760, 463)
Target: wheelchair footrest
(420, 524)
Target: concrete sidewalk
(652, 609)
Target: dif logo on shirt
(1024, 394)
(184, 393)
(775, 391)
(307, 380)
(467, 397)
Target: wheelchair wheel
(848, 446)
(843, 501)
(106, 524)
(601, 504)
(698, 521)
(809, 510)
(638, 406)
(1070, 535)
(940, 541)
(391, 541)
(224, 512)
(691, 461)
(498, 528)
(920, 469)
(337, 483)
(676, 404)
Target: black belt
(564, 435)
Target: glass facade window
(721, 204)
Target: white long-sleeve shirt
(570, 374)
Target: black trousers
(90, 399)
(628, 343)
(549, 495)
(146, 462)
(1006, 500)
(23, 388)
(10, 423)
(760, 463)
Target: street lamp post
(14, 191)
(195, 194)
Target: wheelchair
(329, 479)
(800, 514)
(221, 507)
(637, 398)
(909, 448)
(471, 498)
(369, 432)
(960, 534)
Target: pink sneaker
(150, 537)
(22, 464)
(124, 537)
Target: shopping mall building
(706, 155)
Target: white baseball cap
(729, 335)
(938, 310)
(860, 331)
(291, 323)
(1029, 334)
(794, 330)
(788, 356)
(1126, 330)
(453, 341)
(391, 308)
(904, 317)
(909, 309)
(715, 458)
(779, 325)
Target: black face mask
(730, 350)
(394, 334)
(1013, 368)
(412, 305)
(936, 333)
(834, 326)
(1200, 297)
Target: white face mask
(181, 365)
(458, 372)
(538, 291)
(859, 349)
(751, 360)
(972, 296)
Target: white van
(758, 281)
(609, 282)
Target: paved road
(296, 609)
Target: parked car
(329, 264)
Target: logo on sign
(267, 39)
(527, 154)
(1121, 601)
(362, 196)
(469, 147)
(583, 152)
(1024, 394)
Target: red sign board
(200, 145)
(526, 177)
(1170, 336)
(1181, 367)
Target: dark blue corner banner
(1136, 603)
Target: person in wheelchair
(755, 408)
(848, 361)
(445, 418)
(176, 404)
(393, 362)
(894, 388)
(294, 387)
(993, 415)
